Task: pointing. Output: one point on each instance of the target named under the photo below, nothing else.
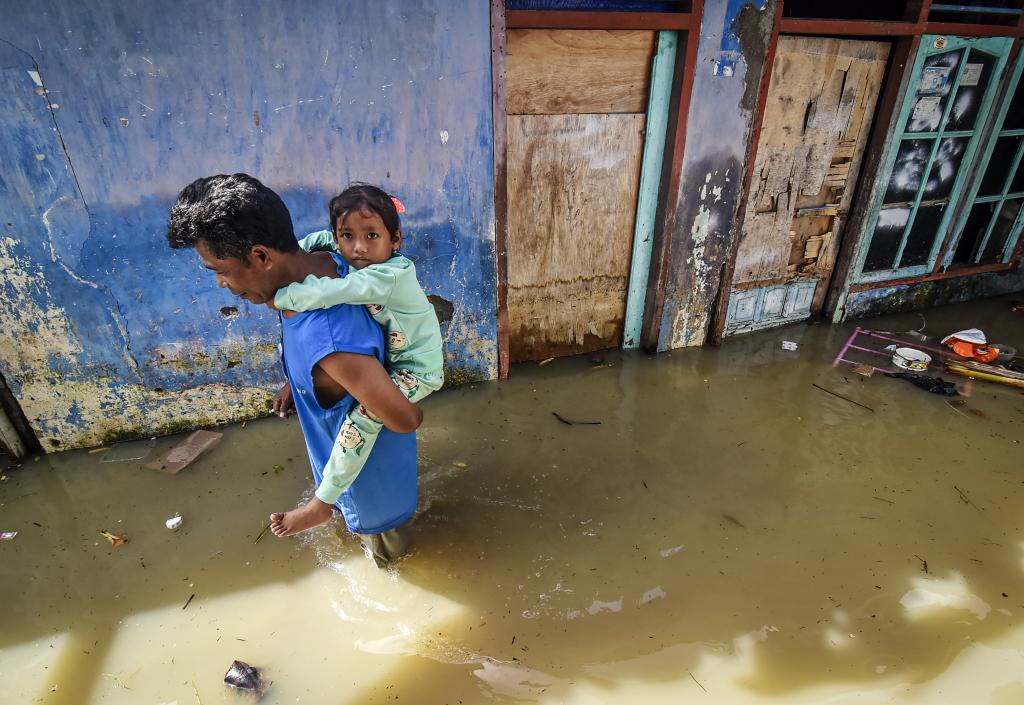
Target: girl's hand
(283, 404)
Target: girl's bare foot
(312, 513)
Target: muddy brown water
(727, 534)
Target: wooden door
(576, 102)
(814, 130)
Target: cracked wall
(108, 111)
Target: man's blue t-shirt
(384, 494)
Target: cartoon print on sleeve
(350, 438)
(407, 382)
(396, 341)
(363, 411)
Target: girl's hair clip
(399, 206)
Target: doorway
(576, 102)
(815, 128)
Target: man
(243, 233)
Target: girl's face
(362, 239)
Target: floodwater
(728, 533)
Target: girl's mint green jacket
(395, 299)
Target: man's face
(255, 280)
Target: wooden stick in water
(262, 533)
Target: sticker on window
(971, 75)
(927, 111)
(934, 80)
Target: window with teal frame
(990, 225)
(951, 91)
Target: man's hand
(287, 313)
(284, 404)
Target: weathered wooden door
(815, 126)
(576, 102)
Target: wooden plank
(556, 72)
(821, 90)
(577, 19)
(572, 190)
(498, 123)
(972, 30)
(848, 28)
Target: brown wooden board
(559, 71)
(822, 95)
(572, 192)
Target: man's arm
(367, 380)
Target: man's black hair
(230, 214)
(358, 197)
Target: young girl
(367, 233)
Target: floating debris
(242, 676)
(174, 523)
(262, 533)
(790, 345)
(123, 452)
(567, 422)
(8, 535)
(114, 539)
(840, 396)
(183, 454)
(544, 362)
(934, 385)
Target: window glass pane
(973, 82)
(945, 167)
(999, 166)
(908, 170)
(973, 232)
(886, 239)
(922, 235)
(933, 91)
(1005, 218)
(1015, 115)
(1017, 182)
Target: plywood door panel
(820, 101)
(559, 71)
(572, 191)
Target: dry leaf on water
(114, 539)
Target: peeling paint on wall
(712, 167)
(102, 326)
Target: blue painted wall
(110, 108)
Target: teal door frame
(1005, 192)
(931, 45)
